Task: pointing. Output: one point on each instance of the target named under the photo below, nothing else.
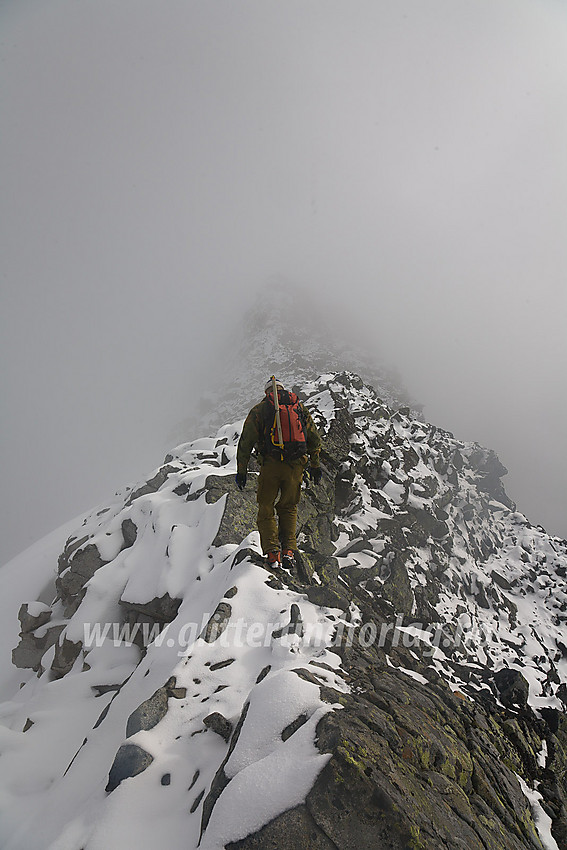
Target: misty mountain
(404, 687)
(285, 332)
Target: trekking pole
(278, 418)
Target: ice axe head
(270, 385)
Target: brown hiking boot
(274, 558)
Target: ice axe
(280, 442)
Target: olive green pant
(277, 477)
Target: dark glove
(315, 474)
(241, 480)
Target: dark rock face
(513, 688)
(240, 510)
(295, 828)
(413, 766)
(413, 760)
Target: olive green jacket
(253, 435)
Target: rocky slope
(404, 688)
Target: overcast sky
(160, 159)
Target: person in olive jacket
(284, 455)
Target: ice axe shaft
(277, 406)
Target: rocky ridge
(404, 688)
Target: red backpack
(293, 424)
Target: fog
(401, 159)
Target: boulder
(218, 623)
(219, 724)
(160, 609)
(154, 484)
(74, 574)
(130, 760)
(240, 511)
(33, 615)
(512, 687)
(154, 709)
(66, 653)
(31, 648)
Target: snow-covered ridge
(75, 714)
(172, 687)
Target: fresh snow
(542, 821)
(52, 794)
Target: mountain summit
(405, 687)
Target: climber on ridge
(287, 440)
